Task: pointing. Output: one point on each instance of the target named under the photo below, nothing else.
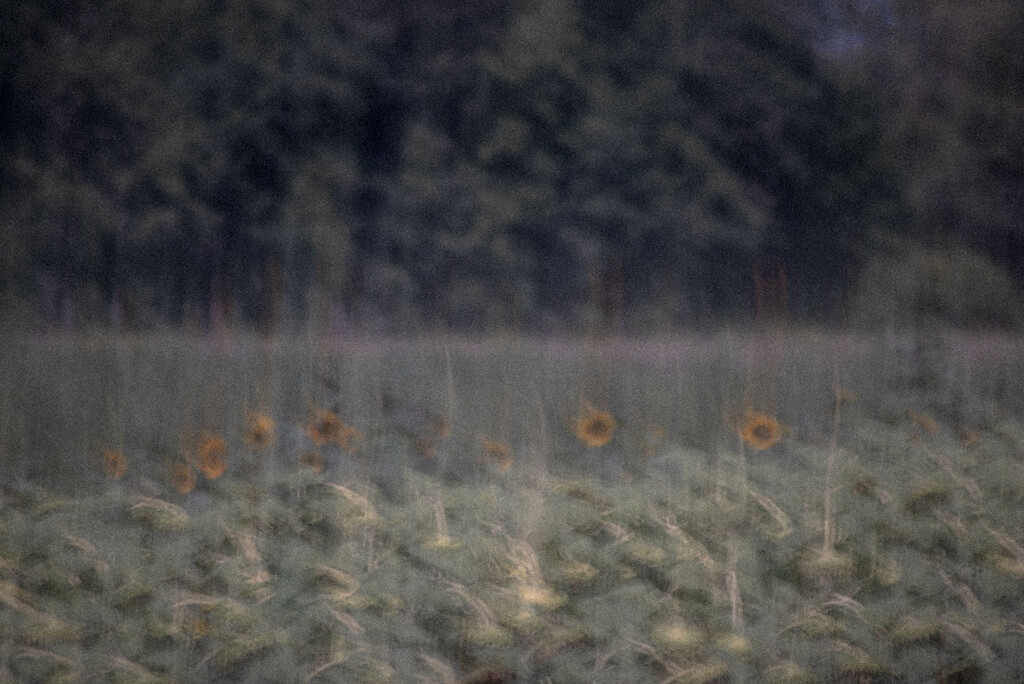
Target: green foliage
(697, 563)
(945, 287)
(483, 165)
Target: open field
(780, 506)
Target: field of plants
(793, 506)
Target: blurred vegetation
(488, 164)
(437, 512)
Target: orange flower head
(323, 427)
(212, 456)
(594, 427)
(348, 438)
(260, 432)
(760, 431)
(498, 453)
(183, 478)
(115, 465)
(312, 460)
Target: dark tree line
(472, 164)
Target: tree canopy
(475, 164)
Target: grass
(461, 529)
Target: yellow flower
(212, 456)
(183, 478)
(348, 438)
(760, 431)
(312, 460)
(498, 453)
(323, 427)
(260, 432)
(115, 465)
(594, 427)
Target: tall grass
(64, 398)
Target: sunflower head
(115, 465)
(348, 437)
(260, 431)
(498, 453)
(212, 456)
(594, 427)
(183, 478)
(312, 460)
(323, 427)
(760, 431)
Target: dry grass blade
(344, 583)
(83, 545)
(983, 652)
(964, 481)
(42, 654)
(953, 522)
(326, 666)
(442, 672)
(8, 598)
(482, 610)
(847, 602)
(1008, 543)
(526, 560)
(160, 513)
(356, 498)
(247, 543)
(777, 514)
(350, 622)
(698, 674)
(691, 547)
(967, 596)
(134, 668)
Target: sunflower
(260, 432)
(183, 478)
(312, 460)
(115, 465)
(594, 427)
(498, 453)
(348, 437)
(212, 456)
(760, 431)
(323, 427)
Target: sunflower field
(726, 507)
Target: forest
(540, 166)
